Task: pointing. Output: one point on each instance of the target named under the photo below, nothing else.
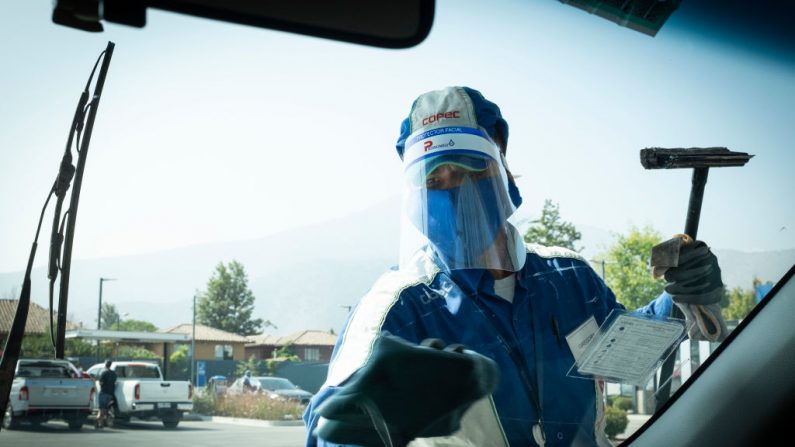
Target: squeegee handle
(696, 197)
(691, 229)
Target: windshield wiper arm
(66, 171)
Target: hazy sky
(210, 131)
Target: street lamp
(99, 310)
(193, 346)
(602, 261)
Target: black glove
(405, 391)
(696, 288)
(696, 280)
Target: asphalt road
(153, 434)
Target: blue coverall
(556, 291)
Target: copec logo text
(440, 116)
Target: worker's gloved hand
(696, 287)
(405, 391)
(696, 280)
(704, 322)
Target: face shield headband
(456, 201)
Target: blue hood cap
(456, 106)
(481, 113)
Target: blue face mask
(462, 222)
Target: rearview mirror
(382, 23)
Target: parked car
(45, 389)
(279, 388)
(217, 385)
(142, 393)
(76, 363)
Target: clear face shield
(456, 202)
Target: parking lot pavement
(153, 434)
(635, 422)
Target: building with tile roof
(308, 345)
(38, 318)
(211, 343)
(38, 322)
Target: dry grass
(249, 406)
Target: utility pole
(99, 311)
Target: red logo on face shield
(428, 145)
(440, 116)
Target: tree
(550, 230)
(740, 303)
(178, 362)
(286, 353)
(37, 345)
(256, 366)
(227, 304)
(109, 316)
(134, 326)
(627, 268)
(41, 346)
(136, 352)
(180, 355)
(279, 356)
(76, 347)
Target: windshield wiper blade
(66, 263)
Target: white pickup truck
(142, 393)
(45, 389)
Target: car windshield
(137, 372)
(191, 185)
(44, 370)
(275, 384)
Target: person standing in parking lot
(107, 389)
(248, 386)
(466, 277)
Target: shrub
(622, 402)
(178, 362)
(249, 406)
(136, 352)
(617, 421)
(204, 404)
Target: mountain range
(304, 278)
